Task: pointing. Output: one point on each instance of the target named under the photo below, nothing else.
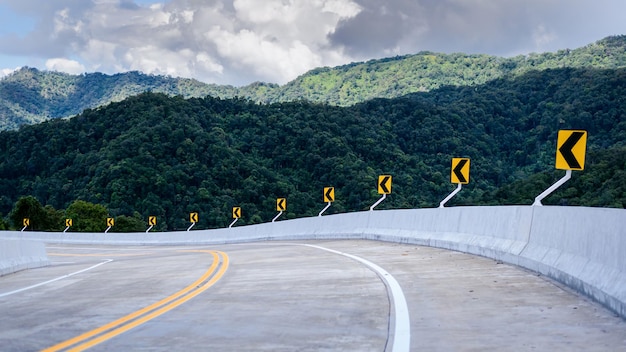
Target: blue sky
(242, 41)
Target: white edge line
(402, 332)
(53, 280)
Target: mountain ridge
(152, 154)
(30, 96)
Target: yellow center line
(154, 314)
(117, 327)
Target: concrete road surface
(277, 296)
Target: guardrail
(18, 254)
(583, 248)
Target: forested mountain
(31, 96)
(168, 156)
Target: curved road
(276, 296)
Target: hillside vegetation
(168, 156)
(31, 96)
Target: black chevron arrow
(566, 149)
(457, 170)
(329, 196)
(383, 184)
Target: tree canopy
(155, 155)
(30, 96)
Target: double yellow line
(119, 326)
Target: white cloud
(543, 38)
(224, 41)
(206, 63)
(241, 41)
(7, 71)
(64, 23)
(65, 65)
(101, 55)
(266, 57)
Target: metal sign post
(325, 208)
(378, 202)
(68, 224)
(281, 205)
(384, 188)
(571, 146)
(459, 174)
(277, 216)
(110, 224)
(236, 216)
(557, 184)
(456, 190)
(152, 221)
(193, 217)
(329, 197)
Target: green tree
(4, 225)
(55, 219)
(88, 217)
(29, 208)
(133, 223)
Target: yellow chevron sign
(69, 222)
(110, 222)
(236, 212)
(384, 184)
(193, 217)
(152, 221)
(329, 194)
(26, 222)
(460, 170)
(571, 146)
(281, 204)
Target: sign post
(281, 205)
(236, 216)
(193, 218)
(329, 197)
(152, 221)
(384, 188)
(571, 146)
(68, 224)
(459, 175)
(110, 223)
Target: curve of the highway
(293, 295)
(386, 288)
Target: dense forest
(30, 96)
(153, 154)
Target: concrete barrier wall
(584, 248)
(17, 254)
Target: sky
(238, 42)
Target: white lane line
(104, 248)
(402, 332)
(53, 280)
